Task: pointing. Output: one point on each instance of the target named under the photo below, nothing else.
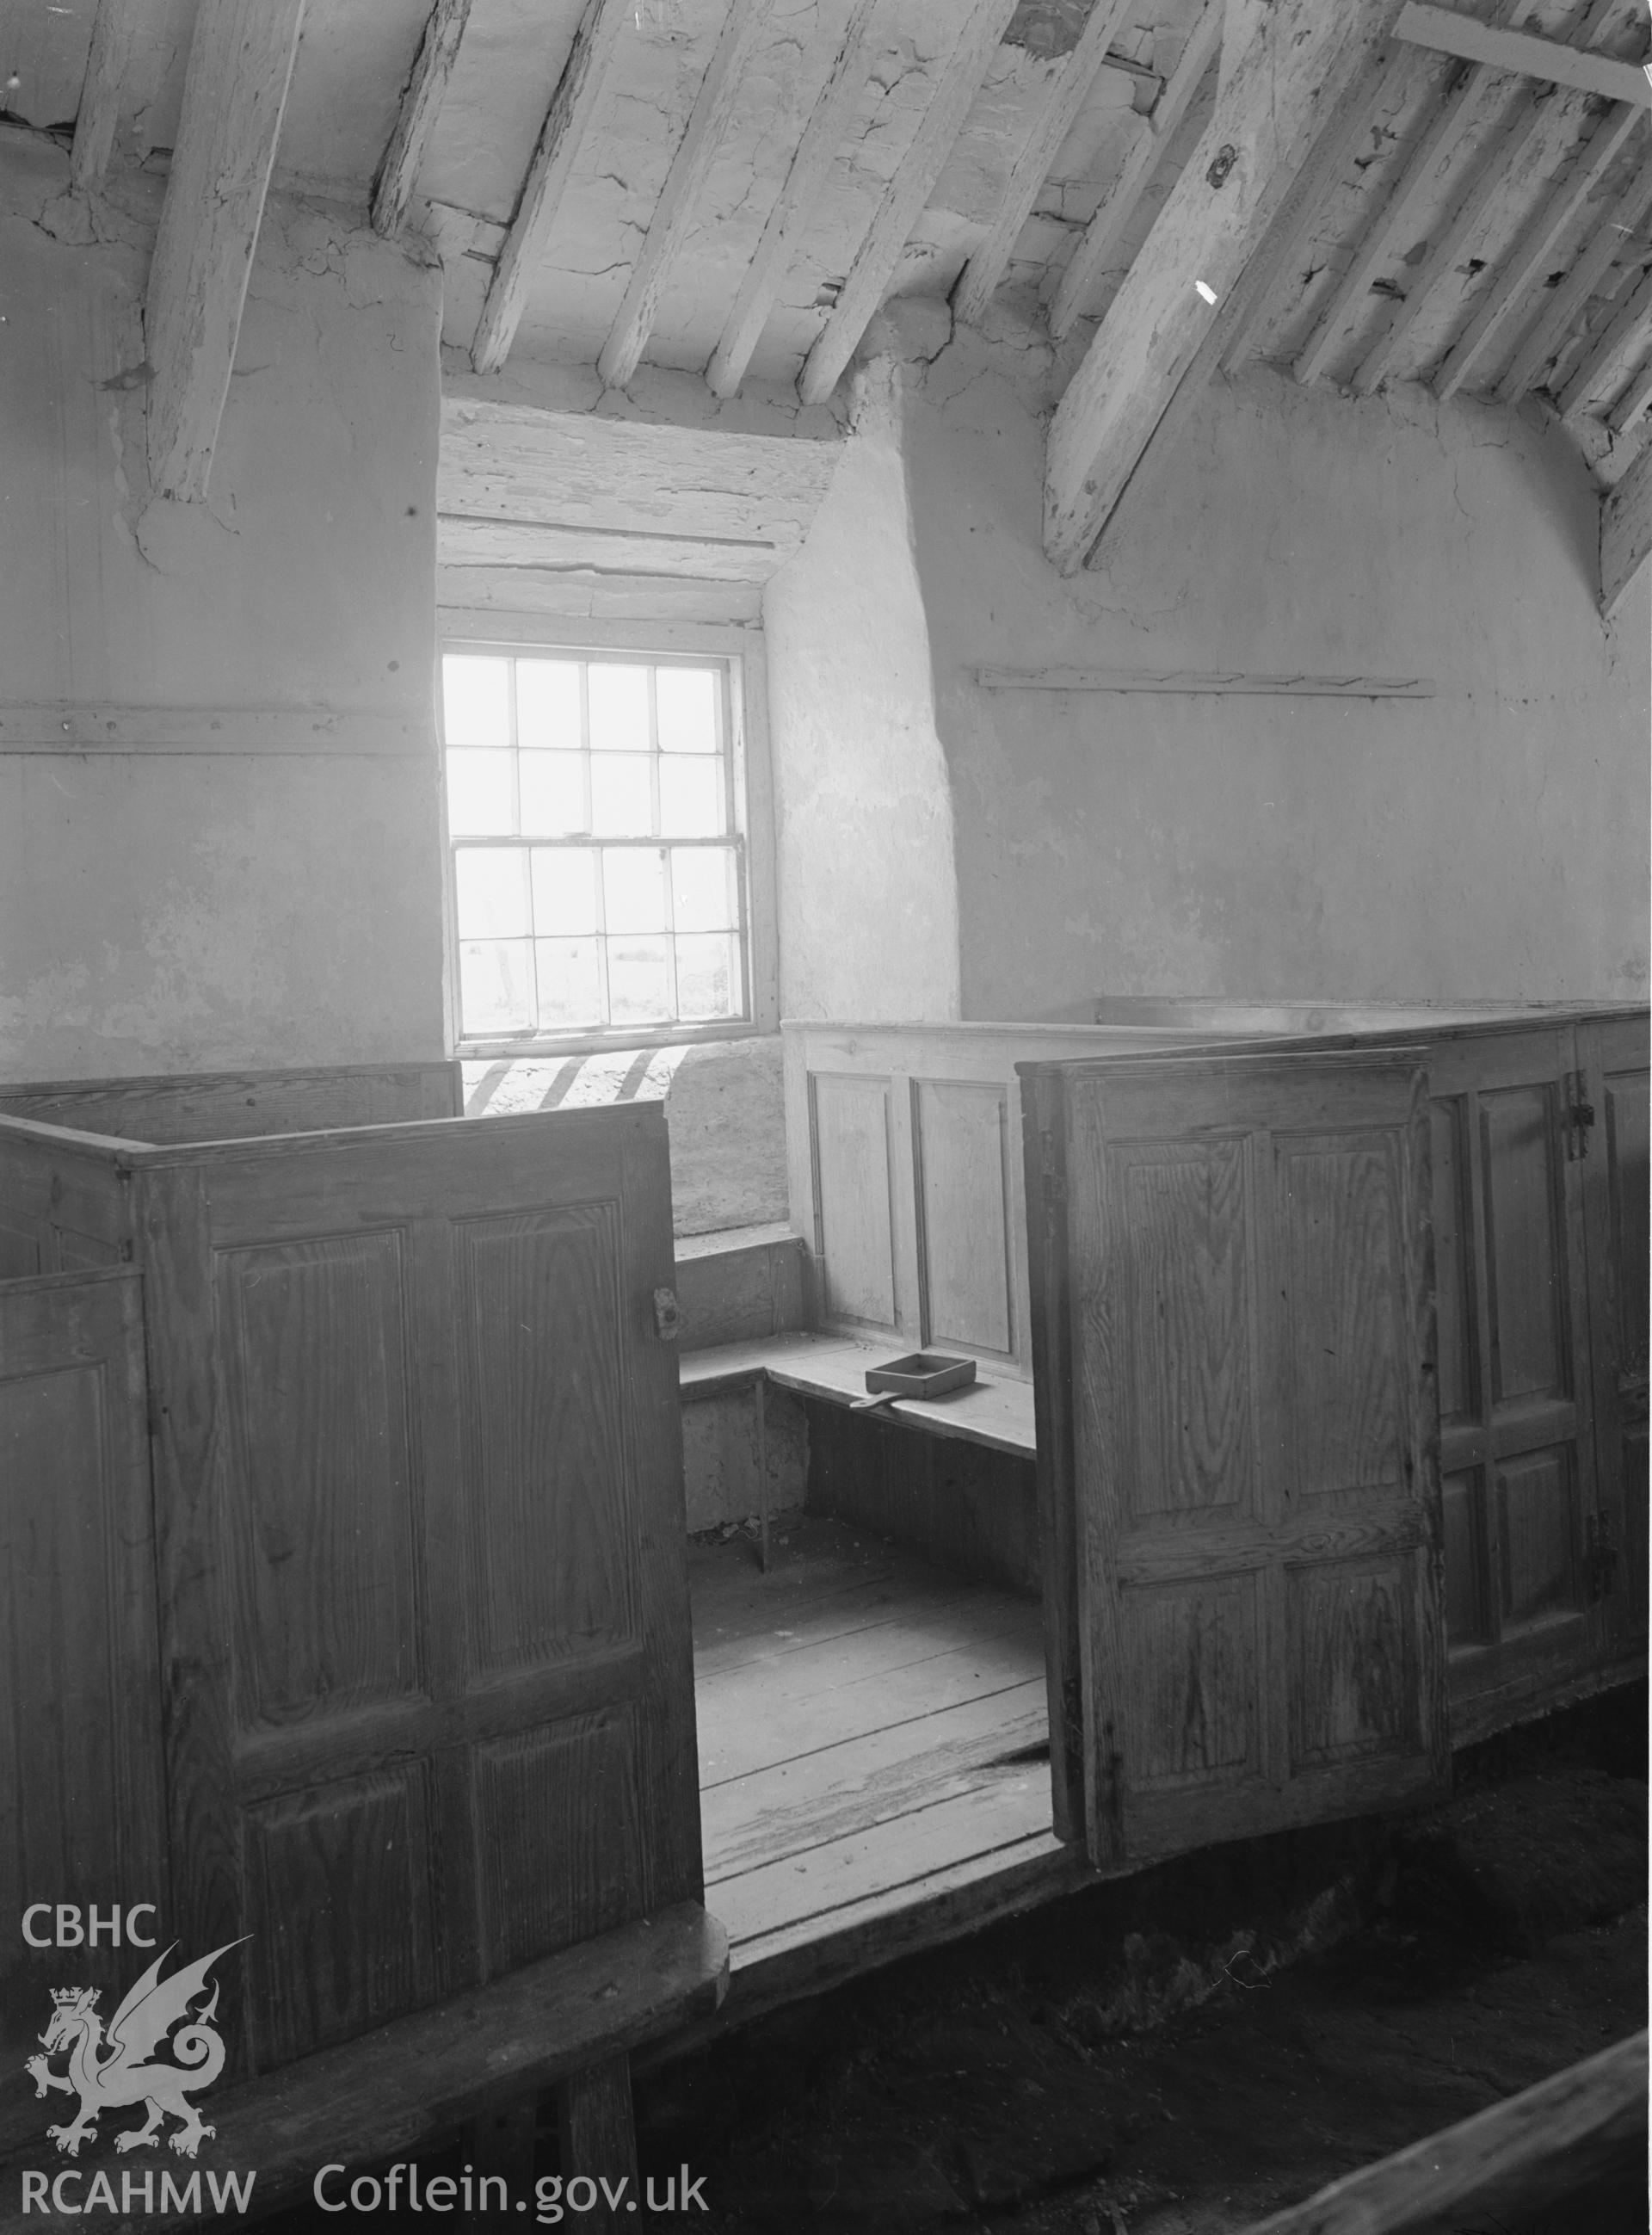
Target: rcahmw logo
(159, 2049)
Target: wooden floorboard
(868, 1727)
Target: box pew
(344, 1590)
(908, 1191)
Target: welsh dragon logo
(110, 2070)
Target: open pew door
(1233, 1351)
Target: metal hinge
(668, 1317)
(1603, 1557)
(1052, 1181)
(1580, 1116)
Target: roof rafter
(241, 54)
(697, 150)
(1294, 73)
(421, 103)
(1594, 262)
(1626, 532)
(823, 135)
(880, 251)
(1601, 365)
(1131, 180)
(1233, 329)
(981, 276)
(579, 90)
(1536, 244)
(114, 29)
(1500, 47)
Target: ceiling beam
(235, 93)
(1293, 77)
(579, 90)
(1593, 261)
(114, 29)
(1633, 402)
(823, 135)
(1601, 365)
(1536, 244)
(879, 253)
(708, 123)
(986, 267)
(1522, 126)
(1233, 331)
(1129, 182)
(1626, 532)
(421, 103)
(1550, 60)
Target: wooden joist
(1522, 127)
(1626, 332)
(1395, 221)
(1497, 47)
(1626, 532)
(880, 251)
(1129, 182)
(708, 123)
(1530, 2153)
(981, 276)
(567, 121)
(1293, 75)
(1635, 400)
(822, 136)
(235, 93)
(113, 33)
(1508, 288)
(1554, 321)
(420, 104)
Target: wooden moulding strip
(1200, 683)
(80, 728)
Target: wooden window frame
(742, 650)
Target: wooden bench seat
(566, 2021)
(996, 1410)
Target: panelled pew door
(425, 1635)
(1233, 1333)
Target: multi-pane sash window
(597, 867)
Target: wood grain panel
(1192, 1651)
(560, 1837)
(1538, 1532)
(19, 1252)
(960, 1137)
(237, 1105)
(81, 1780)
(1186, 1329)
(1341, 1269)
(1525, 1253)
(1453, 1278)
(339, 1909)
(548, 1499)
(1353, 1691)
(1627, 1151)
(1463, 1517)
(854, 1236)
(320, 1503)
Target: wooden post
(598, 2136)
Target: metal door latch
(668, 1316)
(1580, 1116)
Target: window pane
(479, 795)
(686, 698)
(495, 985)
(703, 894)
(620, 805)
(569, 990)
(548, 704)
(475, 700)
(564, 892)
(492, 889)
(691, 798)
(634, 881)
(639, 981)
(618, 710)
(553, 793)
(708, 976)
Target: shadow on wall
(723, 1111)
